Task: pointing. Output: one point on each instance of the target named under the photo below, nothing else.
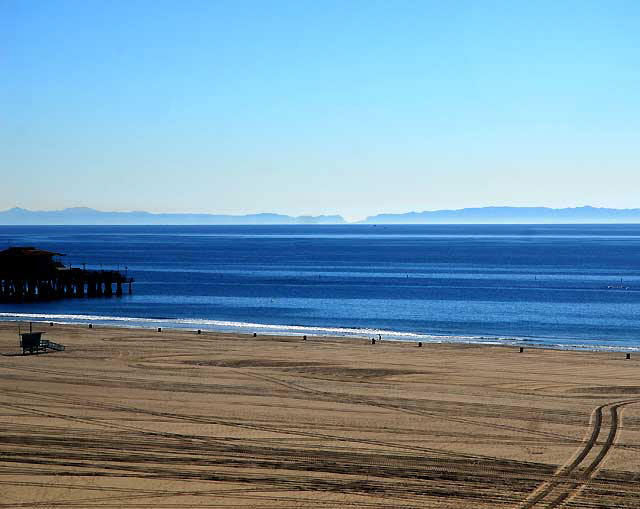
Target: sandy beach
(140, 418)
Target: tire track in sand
(572, 477)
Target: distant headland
(88, 216)
(479, 215)
(511, 215)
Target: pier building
(28, 274)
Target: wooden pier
(28, 274)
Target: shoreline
(228, 327)
(44, 326)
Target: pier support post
(30, 289)
(80, 287)
(20, 287)
(108, 287)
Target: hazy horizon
(482, 215)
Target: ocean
(560, 286)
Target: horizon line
(431, 217)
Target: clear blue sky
(351, 107)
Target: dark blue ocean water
(541, 284)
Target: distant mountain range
(510, 215)
(84, 215)
(482, 215)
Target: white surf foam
(275, 329)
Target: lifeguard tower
(32, 342)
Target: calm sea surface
(547, 285)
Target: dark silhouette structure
(32, 342)
(28, 274)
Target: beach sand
(137, 418)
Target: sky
(318, 106)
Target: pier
(28, 274)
